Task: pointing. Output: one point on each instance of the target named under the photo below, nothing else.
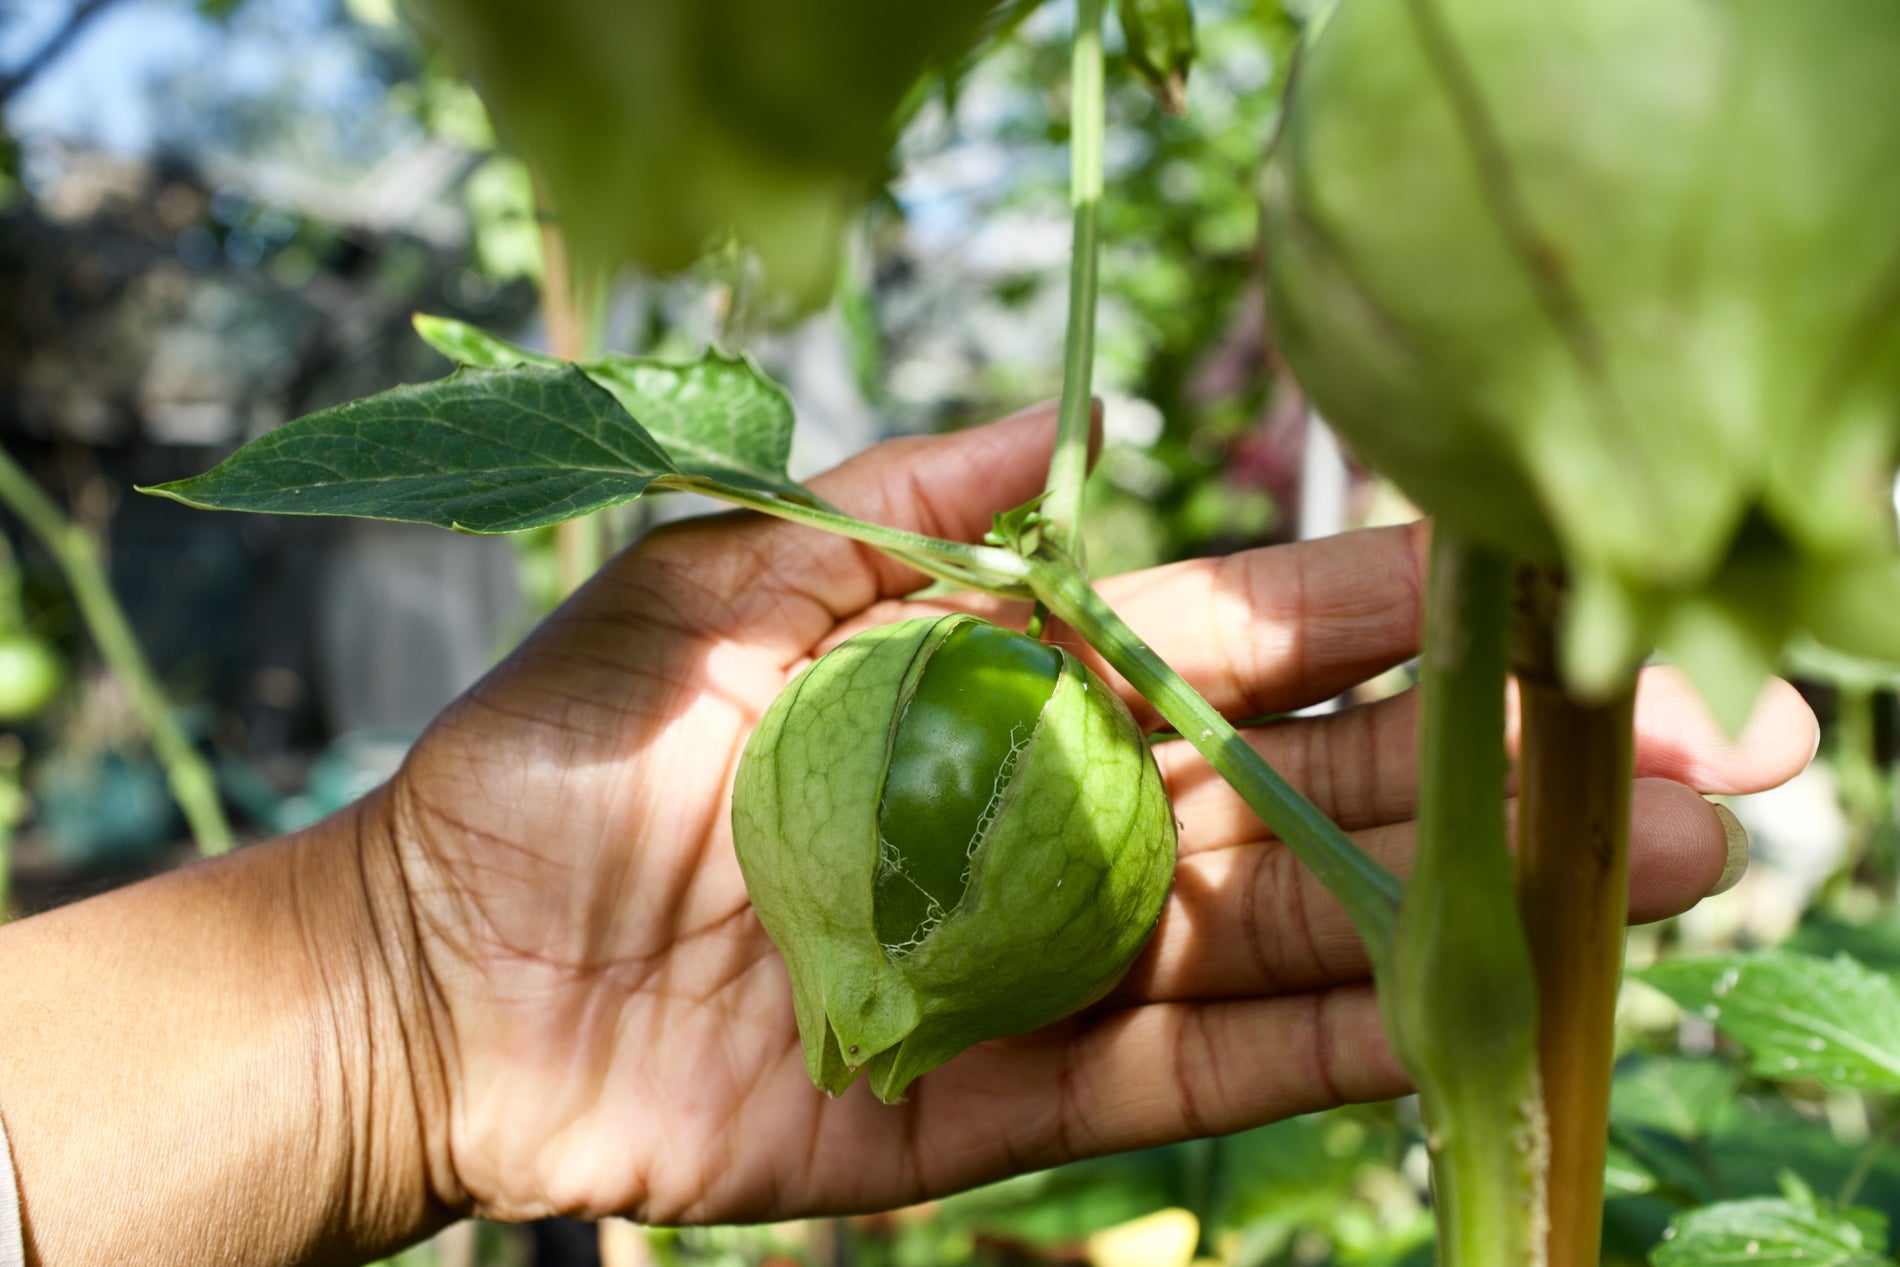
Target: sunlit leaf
(718, 416)
(479, 451)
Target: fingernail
(1735, 839)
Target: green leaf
(1875, 943)
(1684, 1097)
(719, 417)
(497, 450)
(473, 346)
(1833, 1020)
(1773, 1232)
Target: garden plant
(1609, 288)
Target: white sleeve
(12, 1248)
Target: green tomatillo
(30, 676)
(952, 832)
(1615, 284)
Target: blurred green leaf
(1070, 1202)
(1833, 1020)
(1773, 1232)
(1875, 943)
(1683, 1096)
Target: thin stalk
(986, 569)
(1576, 762)
(1459, 998)
(1871, 1152)
(571, 306)
(1368, 892)
(1068, 466)
(73, 548)
(10, 805)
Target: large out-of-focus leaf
(1774, 1232)
(1684, 1097)
(661, 127)
(719, 416)
(1833, 1020)
(1875, 943)
(496, 450)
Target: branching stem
(77, 555)
(983, 568)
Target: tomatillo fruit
(30, 676)
(952, 832)
(1612, 284)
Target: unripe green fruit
(1612, 284)
(952, 832)
(30, 676)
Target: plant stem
(1870, 1153)
(1575, 767)
(73, 548)
(1459, 998)
(983, 568)
(570, 304)
(11, 798)
(1368, 892)
(1068, 465)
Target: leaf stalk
(1368, 892)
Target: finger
(1267, 631)
(1146, 1076)
(1250, 919)
(1678, 738)
(1360, 765)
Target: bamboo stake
(1574, 780)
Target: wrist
(223, 1056)
(375, 1027)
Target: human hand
(603, 1026)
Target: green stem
(1459, 999)
(1870, 1153)
(1368, 892)
(72, 547)
(984, 568)
(570, 305)
(10, 798)
(1068, 466)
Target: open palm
(610, 1030)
